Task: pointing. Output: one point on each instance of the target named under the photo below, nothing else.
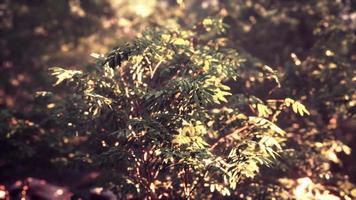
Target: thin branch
(149, 65)
(221, 139)
(156, 67)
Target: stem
(222, 138)
(155, 69)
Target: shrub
(165, 118)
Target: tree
(166, 120)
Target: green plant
(166, 121)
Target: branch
(222, 138)
(155, 69)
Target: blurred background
(312, 44)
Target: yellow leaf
(206, 66)
(181, 42)
(288, 101)
(332, 156)
(346, 149)
(207, 22)
(301, 109)
(166, 37)
(295, 108)
(263, 110)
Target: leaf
(207, 22)
(266, 123)
(263, 110)
(181, 42)
(181, 139)
(212, 187)
(270, 142)
(166, 37)
(346, 149)
(332, 156)
(271, 152)
(63, 74)
(297, 107)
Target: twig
(155, 69)
(149, 65)
(220, 140)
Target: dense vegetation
(216, 99)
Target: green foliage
(167, 114)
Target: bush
(166, 121)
